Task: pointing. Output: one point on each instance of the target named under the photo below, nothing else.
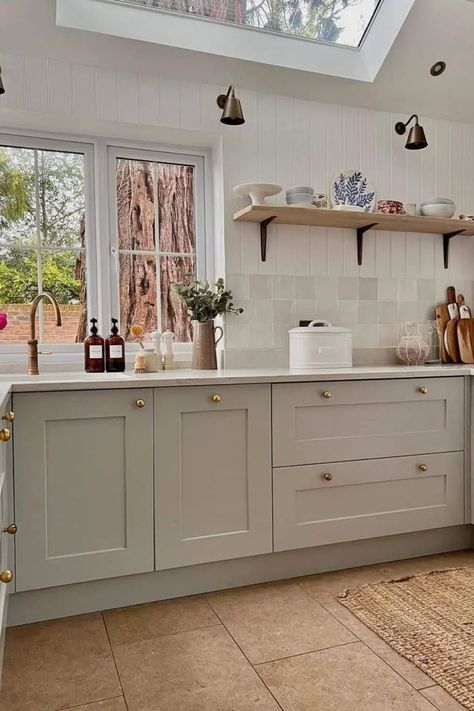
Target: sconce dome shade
(232, 113)
(416, 138)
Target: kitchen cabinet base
(79, 598)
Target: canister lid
(319, 326)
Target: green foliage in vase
(204, 302)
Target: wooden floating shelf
(359, 221)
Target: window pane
(42, 204)
(174, 316)
(18, 287)
(63, 275)
(17, 197)
(176, 208)
(138, 293)
(135, 205)
(338, 21)
(61, 198)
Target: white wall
(310, 272)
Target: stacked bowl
(438, 207)
(300, 195)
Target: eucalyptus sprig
(203, 301)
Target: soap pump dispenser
(114, 350)
(94, 350)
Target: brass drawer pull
(6, 576)
(423, 390)
(327, 476)
(5, 434)
(327, 395)
(423, 467)
(9, 416)
(11, 529)
(140, 403)
(216, 398)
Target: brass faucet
(33, 343)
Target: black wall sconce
(2, 88)
(416, 137)
(232, 113)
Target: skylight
(342, 22)
(342, 38)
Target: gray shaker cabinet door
(83, 486)
(213, 473)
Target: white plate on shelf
(348, 208)
(350, 190)
(257, 192)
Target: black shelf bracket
(360, 240)
(263, 237)
(446, 239)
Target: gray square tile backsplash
(373, 308)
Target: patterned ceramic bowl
(391, 207)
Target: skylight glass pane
(337, 21)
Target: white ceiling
(434, 29)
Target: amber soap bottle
(114, 351)
(94, 350)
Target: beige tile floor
(287, 645)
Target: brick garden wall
(18, 329)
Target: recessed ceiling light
(437, 68)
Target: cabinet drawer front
(320, 504)
(213, 474)
(338, 421)
(83, 485)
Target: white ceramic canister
(320, 345)
(152, 361)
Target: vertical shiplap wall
(310, 272)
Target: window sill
(67, 358)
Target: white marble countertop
(84, 381)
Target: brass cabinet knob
(12, 528)
(327, 476)
(423, 467)
(5, 434)
(6, 576)
(140, 403)
(423, 390)
(216, 398)
(327, 394)
(9, 416)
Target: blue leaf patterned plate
(351, 189)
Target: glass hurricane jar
(413, 348)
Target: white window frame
(100, 232)
(16, 352)
(156, 156)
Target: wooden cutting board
(451, 339)
(466, 339)
(442, 318)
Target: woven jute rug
(427, 618)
